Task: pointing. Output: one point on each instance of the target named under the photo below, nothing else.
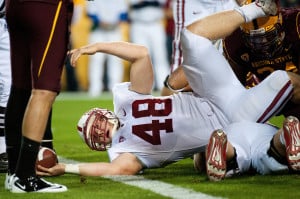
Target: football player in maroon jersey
(264, 45)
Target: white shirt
(107, 11)
(161, 130)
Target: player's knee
(278, 79)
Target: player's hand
(75, 54)
(58, 169)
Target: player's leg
(185, 13)
(260, 103)
(218, 151)
(247, 144)
(222, 24)
(215, 27)
(199, 162)
(96, 68)
(19, 95)
(285, 146)
(237, 158)
(281, 152)
(207, 71)
(47, 140)
(115, 67)
(16, 106)
(46, 83)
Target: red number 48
(155, 127)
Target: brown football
(46, 157)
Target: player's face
(103, 132)
(261, 42)
(268, 42)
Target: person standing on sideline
(147, 28)
(106, 17)
(39, 36)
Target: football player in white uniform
(106, 17)
(145, 131)
(147, 29)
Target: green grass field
(67, 110)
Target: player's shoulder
(290, 16)
(121, 91)
(291, 23)
(290, 12)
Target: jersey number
(155, 127)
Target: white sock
(250, 11)
(2, 144)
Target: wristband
(72, 168)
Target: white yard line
(155, 186)
(161, 188)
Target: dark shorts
(39, 36)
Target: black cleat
(35, 184)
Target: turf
(66, 112)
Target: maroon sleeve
(233, 47)
(291, 24)
(232, 44)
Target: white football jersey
(161, 130)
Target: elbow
(144, 52)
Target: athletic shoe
(270, 7)
(216, 156)
(35, 184)
(291, 129)
(3, 163)
(8, 181)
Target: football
(46, 157)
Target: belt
(2, 15)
